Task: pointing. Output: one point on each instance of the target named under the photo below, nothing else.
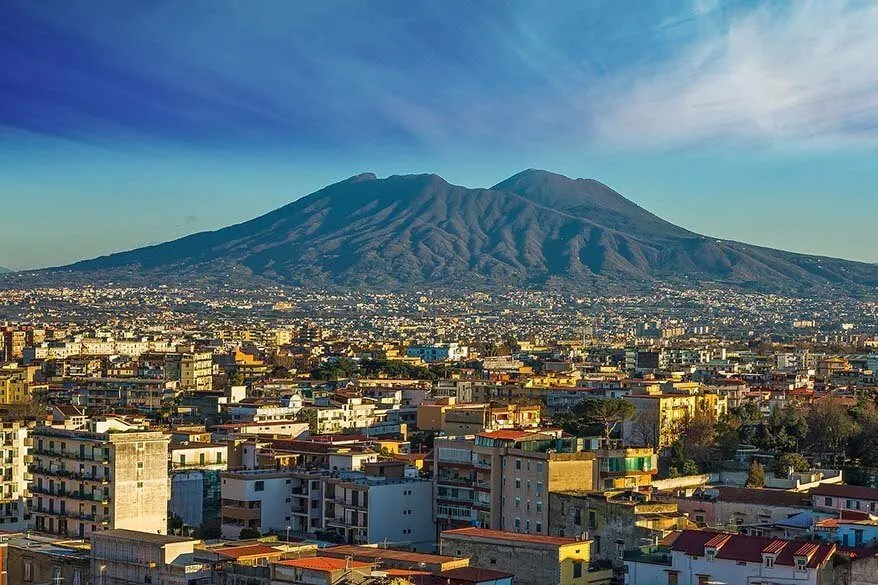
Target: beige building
(109, 476)
(194, 370)
(502, 479)
(14, 459)
(17, 384)
(128, 556)
(533, 559)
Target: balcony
(348, 504)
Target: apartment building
(194, 370)
(454, 419)
(502, 479)
(108, 476)
(694, 556)
(255, 499)
(128, 556)
(382, 503)
(664, 414)
(17, 384)
(36, 559)
(14, 476)
(615, 521)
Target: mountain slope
(529, 229)
(4, 270)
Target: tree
(249, 534)
(308, 415)
(756, 475)
(645, 429)
(830, 426)
(790, 462)
(605, 412)
(728, 436)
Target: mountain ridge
(531, 229)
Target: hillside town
(282, 436)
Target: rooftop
(324, 564)
(253, 550)
(484, 533)
(741, 548)
(388, 553)
(123, 534)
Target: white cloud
(803, 73)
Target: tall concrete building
(194, 371)
(501, 479)
(14, 457)
(109, 476)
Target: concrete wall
(139, 498)
(403, 513)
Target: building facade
(89, 481)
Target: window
(539, 506)
(801, 564)
(140, 484)
(710, 554)
(827, 501)
(56, 574)
(28, 571)
(769, 562)
(597, 545)
(528, 464)
(577, 516)
(517, 483)
(673, 578)
(539, 527)
(493, 561)
(527, 505)
(518, 524)
(518, 464)
(140, 465)
(539, 466)
(517, 502)
(592, 519)
(577, 569)
(539, 488)
(259, 486)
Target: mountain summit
(413, 229)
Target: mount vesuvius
(533, 228)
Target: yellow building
(660, 418)
(532, 559)
(16, 384)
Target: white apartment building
(382, 503)
(14, 476)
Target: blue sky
(129, 123)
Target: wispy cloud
(798, 74)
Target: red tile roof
(739, 547)
(845, 491)
(507, 435)
(510, 536)
(376, 553)
(324, 564)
